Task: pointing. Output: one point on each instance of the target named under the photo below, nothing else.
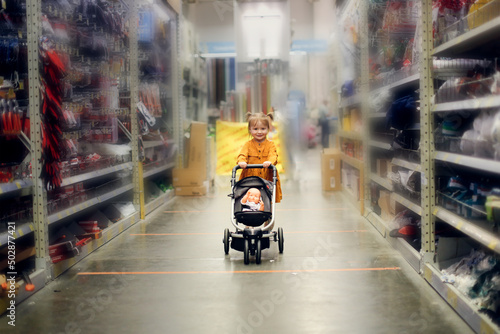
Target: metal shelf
(473, 42)
(158, 169)
(350, 101)
(350, 135)
(478, 321)
(381, 181)
(492, 101)
(92, 175)
(410, 254)
(377, 115)
(379, 144)
(21, 230)
(485, 237)
(87, 204)
(107, 235)
(14, 186)
(407, 203)
(157, 202)
(400, 84)
(468, 161)
(406, 164)
(38, 278)
(377, 222)
(358, 164)
(153, 143)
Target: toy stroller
(253, 226)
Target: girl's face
(259, 132)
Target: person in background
(324, 124)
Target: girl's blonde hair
(259, 117)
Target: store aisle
(170, 275)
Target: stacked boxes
(192, 180)
(330, 169)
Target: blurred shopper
(324, 124)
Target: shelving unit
(407, 203)
(468, 161)
(437, 69)
(472, 104)
(382, 181)
(478, 321)
(107, 235)
(100, 91)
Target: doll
(252, 200)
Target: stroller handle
(235, 168)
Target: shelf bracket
(124, 129)
(25, 140)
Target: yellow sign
(231, 137)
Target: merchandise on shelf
(454, 18)
(476, 276)
(470, 133)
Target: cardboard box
(212, 159)
(198, 147)
(192, 191)
(355, 186)
(330, 169)
(384, 202)
(383, 166)
(182, 177)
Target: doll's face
(254, 195)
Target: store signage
(309, 45)
(220, 47)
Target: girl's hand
(266, 164)
(242, 164)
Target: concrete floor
(170, 275)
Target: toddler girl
(259, 150)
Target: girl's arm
(242, 159)
(272, 158)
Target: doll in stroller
(253, 202)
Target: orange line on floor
(234, 272)
(185, 211)
(212, 233)
(351, 231)
(228, 210)
(175, 233)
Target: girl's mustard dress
(256, 153)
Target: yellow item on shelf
(479, 15)
(346, 122)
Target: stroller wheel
(226, 241)
(246, 252)
(281, 241)
(258, 252)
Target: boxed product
(187, 177)
(192, 191)
(355, 186)
(198, 147)
(102, 220)
(330, 169)
(90, 226)
(383, 166)
(384, 202)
